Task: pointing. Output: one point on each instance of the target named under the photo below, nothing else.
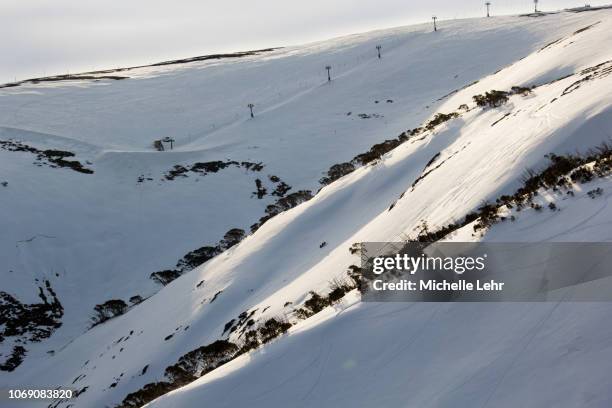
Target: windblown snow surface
(98, 236)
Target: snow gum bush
(108, 310)
(492, 99)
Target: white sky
(44, 37)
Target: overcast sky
(44, 37)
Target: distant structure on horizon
(535, 6)
(434, 18)
(488, 4)
(251, 106)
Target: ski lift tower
(169, 140)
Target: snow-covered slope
(440, 355)
(98, 236)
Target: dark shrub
(261, 190)
(228, 326)
(108, 310)
(521, 90)
(232, 238)
(376, 152)
(136, 299)
(312, 306)
(57, 153)
(354, 272)
(146, 394)
(337, 171)
(316, 303)
(283, 204)
(582, 175)
(197, 257)
(165, 277)
(595, 192)
(289, 202)
(212, 166)
(281, 189)
(252, 166)
(273, 328)
(491, 99)
(251, 341)
(14, 359)
(440, 118)
(177, 171)
(202, 360)
(338, 292)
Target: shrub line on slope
(210, 167)
(203, 360)
(561, 172)
(28, 322)
(284, 203)
(253, 338)
(53, 158)
(491, 99)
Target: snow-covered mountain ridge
(300, 130)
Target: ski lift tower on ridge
(170, 140)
